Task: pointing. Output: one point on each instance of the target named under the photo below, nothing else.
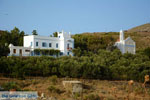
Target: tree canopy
(14, 37)
(34, 32)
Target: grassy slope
(112, 90)
(140, 34)
(142, 39)
(141, 28)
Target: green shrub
(103, 65)
(53, 89)
(53, 79)
(11, 85)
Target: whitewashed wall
(18, 48)
(62, 41)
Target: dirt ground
(92, 89)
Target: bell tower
(121, 35)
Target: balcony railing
(69, 49)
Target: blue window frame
(61, 53)
(68, 53)
(37, 53)
(68, 45)
(50, 44)
(44, 44)
(31, 44)
(56, 45)
(37, 44)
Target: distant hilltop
(141, 28)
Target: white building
(19, 50)
(126, 45)
(63, 42)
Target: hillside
(141, 35)
(92, 89)
(141, 28)
(142, 39)
(100, 40)
(85, 42)
(92, 65)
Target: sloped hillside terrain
(141, 35)
(101, 40)
(92, 65)
(92, 89)
(141, 28)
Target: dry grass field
(92, 89)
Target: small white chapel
(126, 45)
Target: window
(61, 53)
(44, 44)
(68, 46)
(20, 51)
(37, 43)
(31, 43)
(37, 52)
(56, 45)
(68, 53)
(14, 51)
(27, 50)
(50, 44)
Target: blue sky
(76, 16)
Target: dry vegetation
(141, 28)
(140, 34)
(142, 39)
(93, 89)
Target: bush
(11, 85)
(53, 79)
(103, 65)
(53, 89)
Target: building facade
(126, 45)
(64, 43)
(19, 50)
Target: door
(20, 52)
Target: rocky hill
(141, 28)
